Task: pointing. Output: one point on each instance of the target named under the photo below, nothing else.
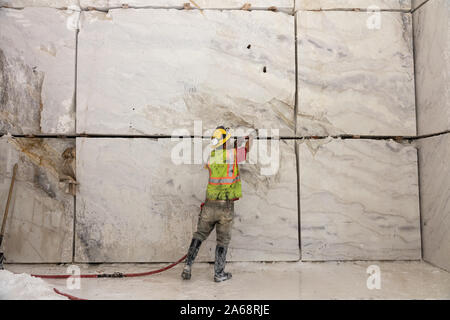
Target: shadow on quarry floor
(282, 280)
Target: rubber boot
(192, 253)
(219, 265)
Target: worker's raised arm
(249, 139)
(243, 145)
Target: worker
(224, 188)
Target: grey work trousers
(219, 215)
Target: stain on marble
(39, 228)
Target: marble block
(150, 72)
(353, 4)
(359, 200)
(61, 4)
(203, 4)
(434, 171)
(37, 70)
(135, 204)
(353, 79)
(39, 227)
(432, 54)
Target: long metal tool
(5, 215)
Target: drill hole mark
(249, 46)
(265, 69)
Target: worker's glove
(241, 141)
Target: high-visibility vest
(224, 180)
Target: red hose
(108, 275)
(67, 295)
(103, 275)
(141, 274)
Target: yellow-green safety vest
(224, 180)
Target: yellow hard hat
(220, 136)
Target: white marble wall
(135, 205)
(434, 171)
(352, 4)
(151, 71)
(432, 55)
(154, 71)
(353, 79)
(204, 4)
(359, 200)
(37, 70)
(39, 227)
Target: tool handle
(5, 215)
(242, 141)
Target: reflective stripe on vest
(216, 181)
(232, 175)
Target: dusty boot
(192, 253)
(219, 265)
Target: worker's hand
(249, 139)
(240, 142)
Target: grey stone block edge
(86, 5)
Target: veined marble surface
(135, 205)
(432, 54)
(434, 169)
(353, 4)
(204, 4)
(38, 3)
(37, 70)
(39, 227)
(352, 79)
(154, 71)
(359, 200)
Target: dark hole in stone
(249, 46)
(265, 69)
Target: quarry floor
(254, 281)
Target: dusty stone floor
(297, 280)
